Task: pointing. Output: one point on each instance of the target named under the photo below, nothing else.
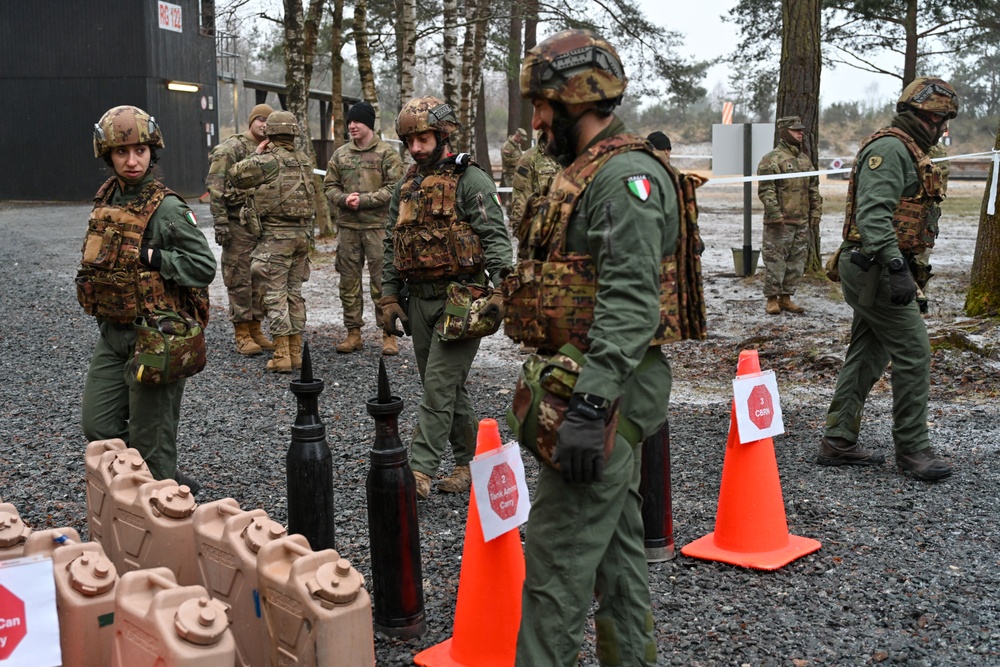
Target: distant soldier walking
(359, 182)
(791, 207)
(245, 311)
(284, 203)
(510, 153)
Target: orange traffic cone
(488, 610)
(750, 525)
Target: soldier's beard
(561, 139)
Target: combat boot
(281, 362)
(459, 480)
(353, 342)
(785, 303)
(772, 307)
(295, 350)
(244, 343)
(258, 335)
(390, 347)
(423, 484)
(834, 451)
(923, 464)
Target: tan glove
(391, 311)
(494, 303)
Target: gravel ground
(908, 571)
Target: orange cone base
(706, 549)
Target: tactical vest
(288, 200)
(551, 294)
(915, 219)
(111, 283)
(430, 242)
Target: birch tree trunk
(406, 44)
(461, 143)
(480, 141)
(983, 298)
(478, 144)
(514, 67)
(451, 61)
(365, 59)
(798, 88)
(337, 127)
(530, 39)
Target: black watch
(897, 264)
(590, 406)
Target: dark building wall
(65, 64)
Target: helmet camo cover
(930, 94)
(125, 125)
(573, 67)
(281, 122)
(422, 114)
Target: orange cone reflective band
(750, 525)
(488, 610)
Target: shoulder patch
(496, 198)
(874, 161)
(189, 215)
(639, 186)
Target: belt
(436, 289)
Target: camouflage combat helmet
(281, 122)
(425, 113)
(573, 67)
(125, 126)
(926, 93)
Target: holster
(869, 278)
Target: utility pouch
(541, 398)
(462, 318)
(169, 346)
(250, 218)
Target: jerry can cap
(176, 502)
(12, 530)
(92, 574)
(129, 460)
(202, 620)
(260, 531)
(336, 582)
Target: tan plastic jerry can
(227, 540)
(45, 542)
(86, 582)
(152, 526)
(315, 605)
(13, 532)
(159, 623)
(106, 459)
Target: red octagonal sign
(503, 491)
(13, 623)
(761, 407)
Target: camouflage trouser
(353, 248)
(115, 405)
(244, 298)
(280, 263)
(784, 249)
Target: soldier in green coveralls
(143, 250)
(445, 225)
(591, 273)
(892, 213)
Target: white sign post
(501, 490)
(29, 624)
(758, 410)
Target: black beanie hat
(363, 112)
(660, 141)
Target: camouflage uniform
(372, 171)
(510, 153)
(115, 404)
(226, 202)
(533, 173)
(791, 207)
(284, 200)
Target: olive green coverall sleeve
(885, 175)
(478, 204)
(185, 256)
(392, 284)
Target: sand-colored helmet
(425, 113)
(125, 126)
(281, 122)
(927, 93)
(573, 67)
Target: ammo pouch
(541, 398)
(169, 346)
(462, 317)
(916, 224)
(250, 218)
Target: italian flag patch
(639, 186)
(190, 218)
(496, 198)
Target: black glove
(391, 311)
(222, 235)
(902, 289)
(150, 259)
(580, 445)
